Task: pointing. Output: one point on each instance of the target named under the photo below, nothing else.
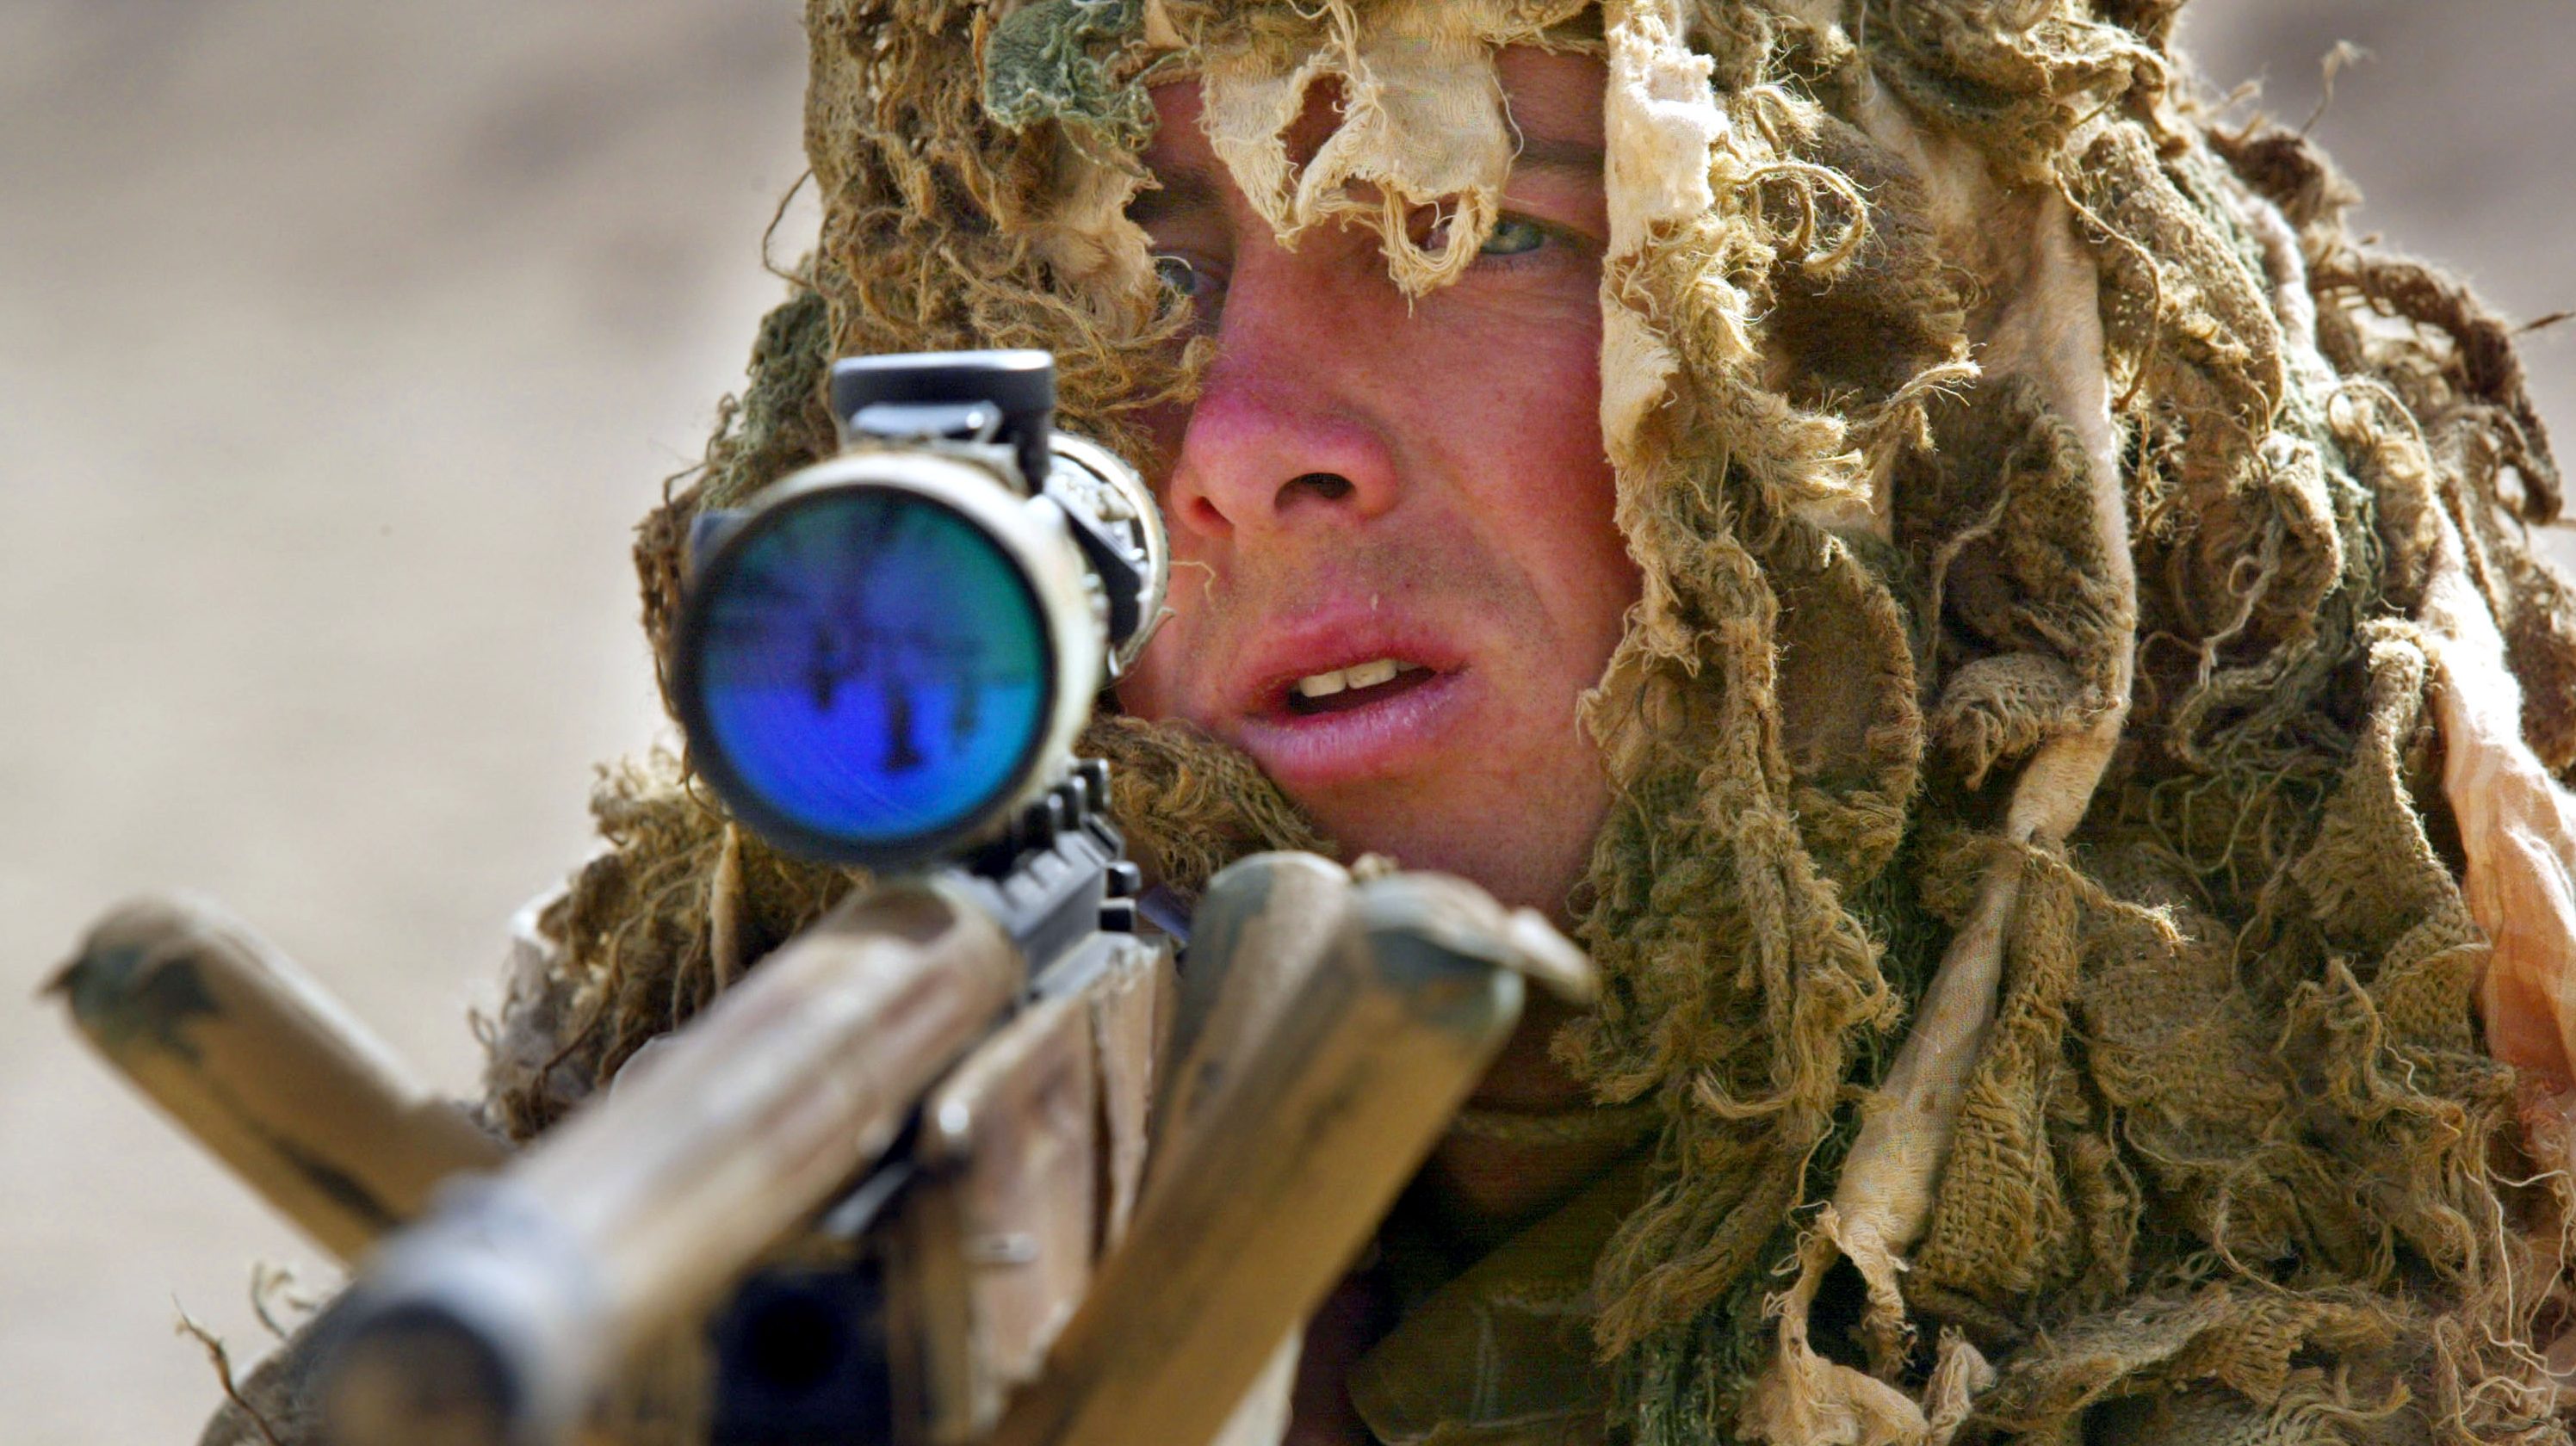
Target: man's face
(1396, 567)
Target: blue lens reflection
(872, 667)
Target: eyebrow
(1178, 193)
(1556, 155)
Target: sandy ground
(339, 347)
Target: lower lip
(1319, 750)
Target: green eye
(1183, 278)
(1203, 287)
(1514, 236)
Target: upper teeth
(1363, 675)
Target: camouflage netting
(2084, 589)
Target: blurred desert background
(340, 345)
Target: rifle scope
(888, 656)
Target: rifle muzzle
(478, 1329)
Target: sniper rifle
(895, 1179)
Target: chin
(1520, 854)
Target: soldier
(2008, 634)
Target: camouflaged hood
(2084, 755)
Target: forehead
(1553, 94)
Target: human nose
(1284, 430)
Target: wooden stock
(1257, 934)
(267, 1071)
(1288, 1164)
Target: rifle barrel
(501, 1317)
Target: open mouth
(1342, 690)
(1366, 721)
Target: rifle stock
(1277, 1180)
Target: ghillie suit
(2084, 754)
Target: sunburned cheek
(1522, 430)
(1538, 346)
(1556, 314)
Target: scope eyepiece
(892, 651)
